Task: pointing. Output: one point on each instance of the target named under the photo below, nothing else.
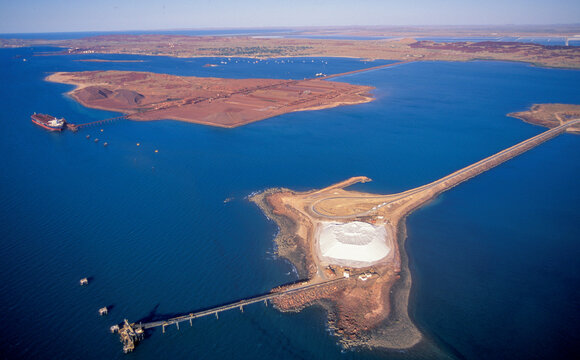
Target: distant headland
(386, 43)
(550, 115)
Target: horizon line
(290, 27)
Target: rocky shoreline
(288, 244)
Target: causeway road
(452, 179)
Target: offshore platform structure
(130, 335)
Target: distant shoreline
(403, 47)
(111, 61)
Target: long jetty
(364, 70)
(131, 333)
(76, 127)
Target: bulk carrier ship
(48, 122)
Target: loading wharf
(132, 333)
(77, 127)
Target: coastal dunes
(211, 101)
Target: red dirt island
(210, 101)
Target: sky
(30, 16)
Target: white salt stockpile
(355, 244)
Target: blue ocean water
(493, 260)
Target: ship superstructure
(48, 122)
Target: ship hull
(49, 128)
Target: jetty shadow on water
(155, 316)
(152, 316)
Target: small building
(346, 273)
(329, 272)
(84, 281)
(103, 311)
(365, 276)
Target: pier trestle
(132, 333)
(77, 127)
